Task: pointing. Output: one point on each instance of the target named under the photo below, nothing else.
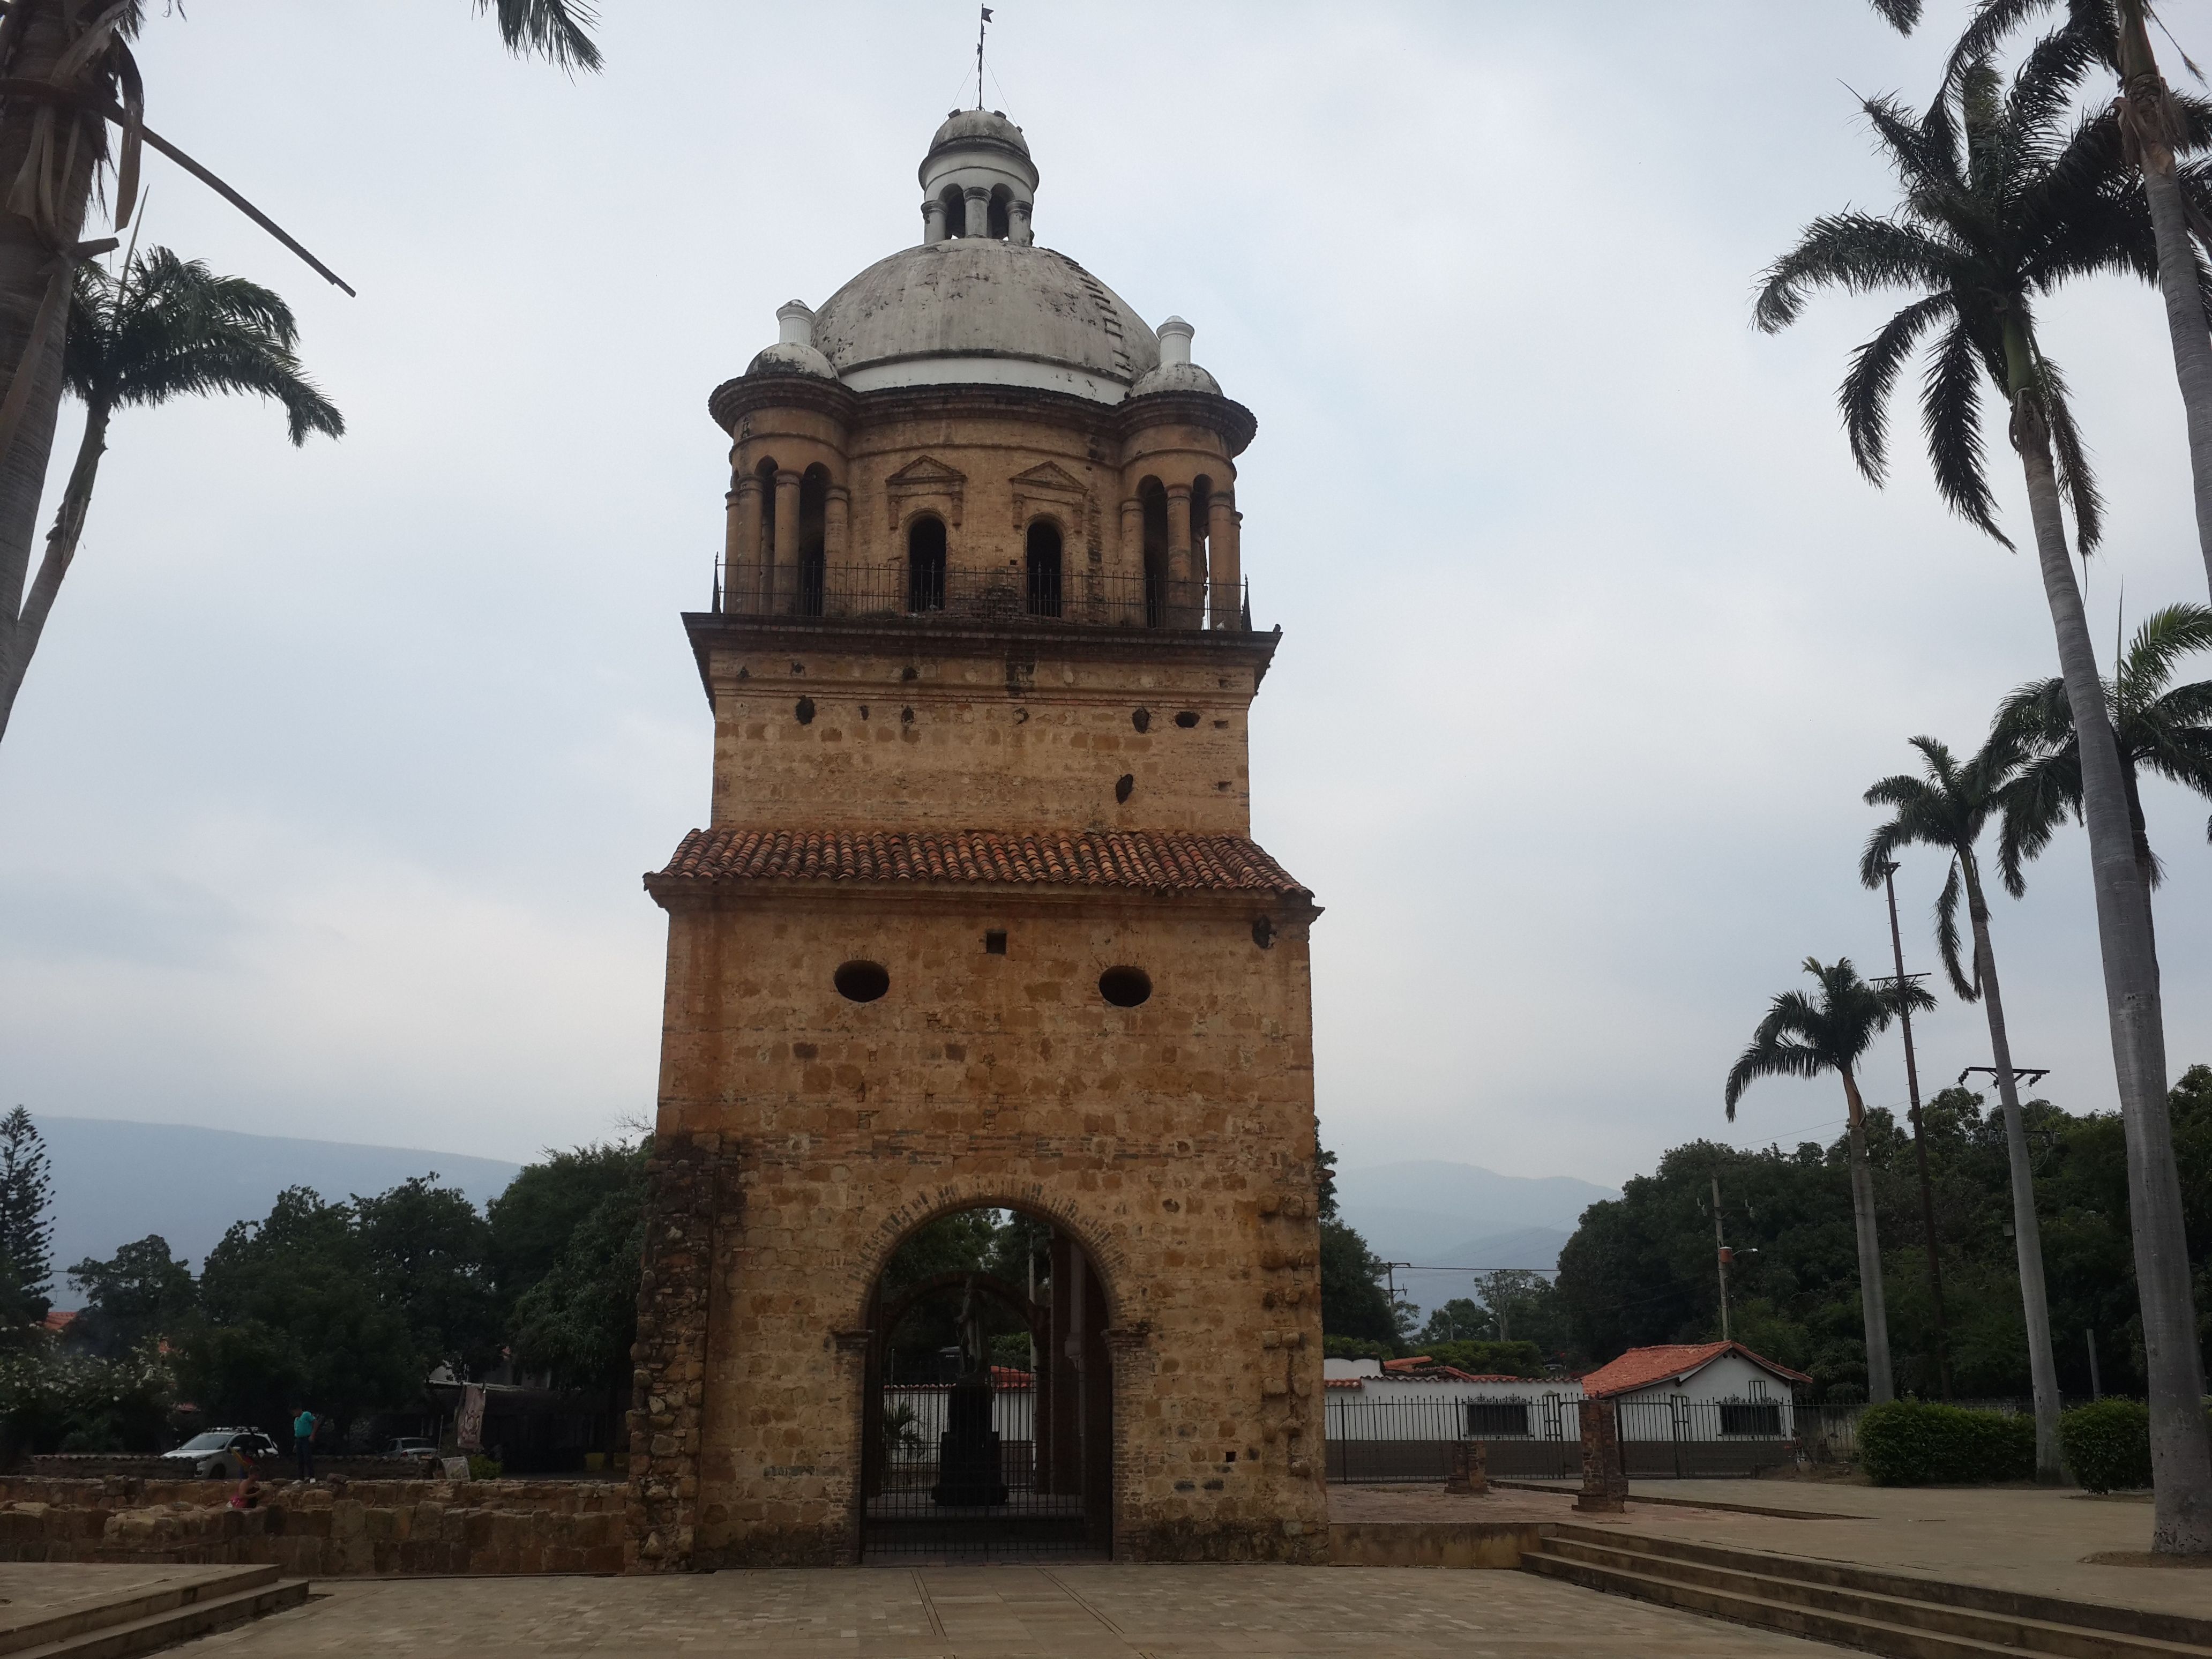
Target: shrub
(484, 1468)
(1906, 1442)
(2107, 1445)
(1354, 1348)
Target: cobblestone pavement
(1086, 1612)
(37, 1589)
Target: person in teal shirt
(303, 1441)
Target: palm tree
(2165, 728)
(166, 328)
(2002, 206)
(2156, 126)
(1948, 807)
(68, 70)
(1801, 1037)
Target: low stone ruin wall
(330, 1529)
(79, 1465)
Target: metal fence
(942, 1489)
(924, 590)
(1540, 1437)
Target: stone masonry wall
(891, 732)
(326, 1530)
(1174, 1141)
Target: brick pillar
(1605, 1482)
(978, 198)
(741, 554)
(836, 542)
(783, 581)
(1067, 1366)
(1179, 583)
(1228, 571)
(687, 1180)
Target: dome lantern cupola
(977, 180)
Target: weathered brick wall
(897, 732)
(1174, 1141)
(325, 1530)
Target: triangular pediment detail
(1046, 476)
(926, 472)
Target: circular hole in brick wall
(1125, 987)
(1187, 719)
(862, 982)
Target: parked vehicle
(225, 1454)
(411, 1446)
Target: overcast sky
(324, 806)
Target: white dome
(977, 311)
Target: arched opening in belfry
(1001, 221)
(988, 1425)
(1152, 496)
(1042, 555)
(813, 538)
(925, 564)
(956, 210)
(1201, 510)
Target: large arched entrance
(988, 1420)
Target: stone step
(42, 1631)
(2006, 1633)
(2177, 1631)
(120, 1639)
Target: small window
(1759, 1418)
(862, 982)
(1126, 987)
(994, 942)
(925, 566)
(1493, 1419)
(1044, 555)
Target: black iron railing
(925, 591)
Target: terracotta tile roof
(1639, 1368)
(1152, 859)
(1343, 1383)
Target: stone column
(741, 579)
(1228, 571)
(782, 584)
(1018, 224)
(1605, 1482)
(1067, 1365)
(688, 1179)
(1178, 606)
(932, 220)
(979, 210)
(837, 524)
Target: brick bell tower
(978, 921)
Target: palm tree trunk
(2027, 1235)
(1882, 1384)
(2181, 1450)
(61, 550)
(33, 134)
(2140, 832)
(2145, 119)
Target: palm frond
(2030, 809)
(1903, 16)
(2074, 478)
(1951, 421)
(1947, 937)
(558, 31)
(1855, 252)
(1864, 395)
(2161, 641)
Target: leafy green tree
(139, 1295)
(2000, 205)
(1805, 1036)
(425, 1246)
(26, 1230)
(166, 328)
(52, 147)
(1948, 807)
(1353, 1300)
(1460, 1319)
(580, 1318)
(532, 1222)
(52, 1399)
(1488, 1358)
(2160, 728)
(291, 1314)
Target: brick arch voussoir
(1108, 1258)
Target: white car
(224, 1454)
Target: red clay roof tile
(1152, 859)
(1639, 1368)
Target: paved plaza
(1068, 1612)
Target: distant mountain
(1460, 1215)
(116, 1182)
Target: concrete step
(2176, 1630)
(2005, 1633)
(196, 1616)
(41, 1629)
